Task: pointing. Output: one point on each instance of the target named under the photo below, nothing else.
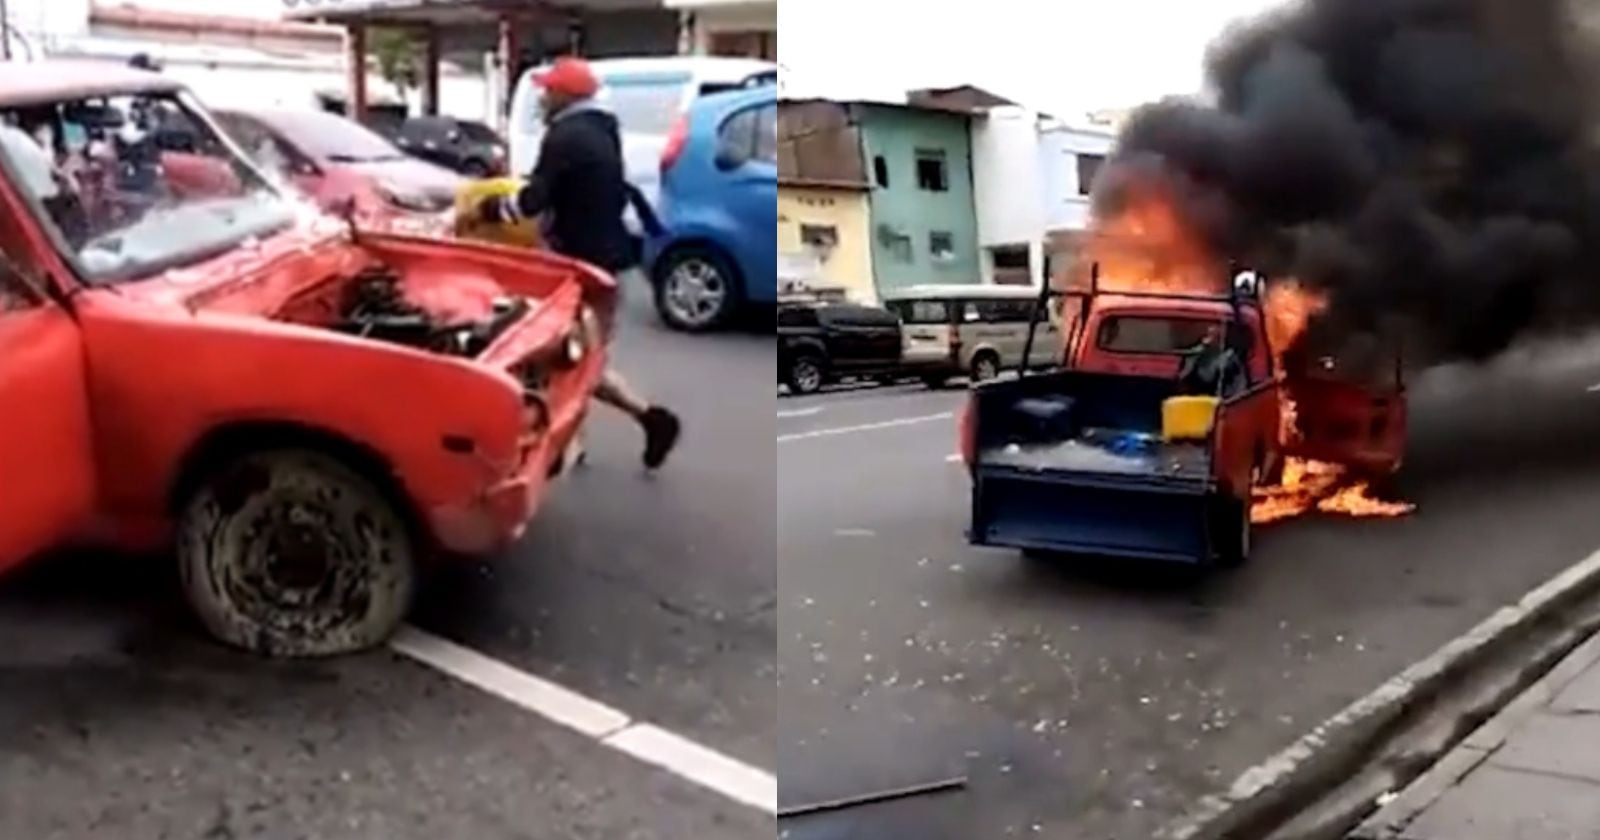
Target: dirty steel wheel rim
(985, 369)
(806, 376)
(696, 291)
(300, 562)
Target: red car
(336, 161)
(189, 358)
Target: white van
(647, 95)
(970, 330)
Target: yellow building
(831, 223)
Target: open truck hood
(448, 297)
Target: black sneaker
(661, 430)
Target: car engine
(376, 309)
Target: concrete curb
(1391, 820)
(1268, 794)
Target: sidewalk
(1530, 773)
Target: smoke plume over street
(1427, 164)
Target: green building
(918, 164)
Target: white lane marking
(1593, 389)
(714, 771)
(866, 427)
(855, 532)
(559, 704)
(802, 412)
(734, 779)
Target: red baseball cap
(571, 76)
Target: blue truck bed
(1074, 462)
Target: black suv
(820, 343)
(469, 148)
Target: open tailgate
(1020, 503)
(1076, 513)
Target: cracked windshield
(136, 184)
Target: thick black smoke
(1429, 163)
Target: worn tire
(291, 553)
(985, 366)
(805, 375)
(1231, 533)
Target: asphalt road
(654, 596)
(1099, 700)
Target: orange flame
(1147, 246)
(1289, 306)
(1317, 485)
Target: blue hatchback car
(719, 208)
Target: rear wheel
(805, 375)
(1231, 533)
(292, 553)
(696, 289)
(985, 366)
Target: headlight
(589, 322)
(575, 348)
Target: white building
(1069, 158)
(1031, 179)
(737, 28)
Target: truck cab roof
(1185, 304)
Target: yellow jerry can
(524, 234)
(1187, 418)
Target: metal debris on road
(924, 789)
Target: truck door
(849, 334)
(46, 449)
(882, 346)
(1246, 436)
(1349, 408)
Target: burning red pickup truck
(308, 412)
(1186, 408)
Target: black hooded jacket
(581, 181)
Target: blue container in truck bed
(1075, 462)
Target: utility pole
(5, 31)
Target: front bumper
(498, 515)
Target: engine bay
(375, 307)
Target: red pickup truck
(307, 412)
(1339, 407)
(1075, 460)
